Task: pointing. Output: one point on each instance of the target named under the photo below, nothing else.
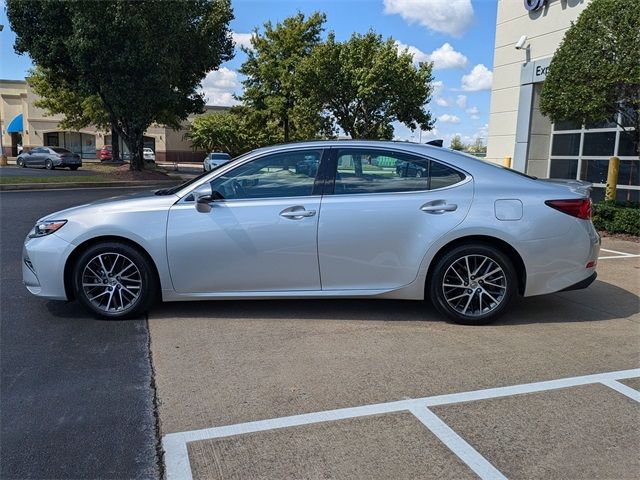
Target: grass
(57, 179)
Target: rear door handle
(438, 207)
(297, 213)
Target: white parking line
(177, 457)
(617, 254)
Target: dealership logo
(533, 5)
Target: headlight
(46, 227)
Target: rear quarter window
(441, 176)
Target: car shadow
(601, 301)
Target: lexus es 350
(324, 219)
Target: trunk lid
(576, 186)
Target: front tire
(473, 284)
(20, 163)
(115, 281)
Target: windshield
(177, 188)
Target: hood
(128, 201)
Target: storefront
(518, 130)
(84, 144)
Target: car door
(384, 211)
(32, 156)
(261, 232)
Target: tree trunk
(286, 128)
(115, 145)
(135, 144)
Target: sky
(457, 35)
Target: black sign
(533, 5)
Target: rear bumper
(581, 284)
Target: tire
(73, 168)
(20, 163)
(48, 164)
(105, 295)
(463, 302)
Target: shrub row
(617, 217)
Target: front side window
(378, 171)
(288, 174)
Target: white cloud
(448, 16)
(242, 39)
(441, 102)
(438, 87)
(446, 57)
(219, 86)
(461, 101)
(446, 118)
(442, 58)
(473, 110)
(480, 78)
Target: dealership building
(518, 130)
(24, 124)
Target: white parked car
(148, 154)
(214, 160)
(324, 219)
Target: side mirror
(203, 195)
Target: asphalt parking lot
(250, 389)
(317, 389)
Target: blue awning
(16, 124)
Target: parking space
(239, 364)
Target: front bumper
(43, 262)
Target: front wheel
(20, 163)
(115, 281)
(473, 284)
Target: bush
(617, 217)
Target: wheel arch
(82, 247)
(495, 242)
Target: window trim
(332, 166)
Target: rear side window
(60, 150)
(378, 171)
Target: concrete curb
(61, 185)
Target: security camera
(520, 43)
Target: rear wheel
(473, 284)
(48, 164)
(115, 281)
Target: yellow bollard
(506, 162)
(612, 179)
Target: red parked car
(105, 153)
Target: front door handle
(297, 213)
(438, 207)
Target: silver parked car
(214, 160)
(467, 234)
(49, 158)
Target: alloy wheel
(111, 282)
(474, 285)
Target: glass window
(599, 143)
(566, 144)
(563, 168)
(628, 146)
(60, 150)
(566, 125)
(289, 174)
(375, 171)
(627, 115)
(594, 171)
(442, 176)
(52, 139)
(628, 173)
(609, 123)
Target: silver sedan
(324, 219)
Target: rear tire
(49, 165)
(115, 281)
(473, 284)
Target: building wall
(545, 29)
(16, 97)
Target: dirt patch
(620, 236)
(122, 173)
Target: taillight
(579, 207)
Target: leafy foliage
(225, 132)
(365, 84)
(143, 59)
(270, 98)
(595, 73)
(617, 218)
(456, 143)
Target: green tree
(270, 97)
(365, 84)
(456, 143)
(226, 132)
(78, 111)
(144, 59)
(477, 146)
(595, 73)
